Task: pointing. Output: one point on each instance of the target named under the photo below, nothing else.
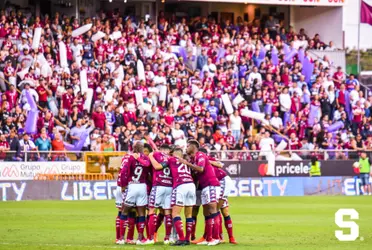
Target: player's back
(181, 173)
(161, 177)
(122, 180)
(139, 169)
(220, 173)
(208, 176)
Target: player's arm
(216, 164)
(144, 161)
(155, 164)
(192, 166)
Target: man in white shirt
(267, 146)
(236, 125)
(179, 136)
(254, 75)
(285, 100)
(276, 121)
(77, 52)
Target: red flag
(366, 13)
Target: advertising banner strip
(284, 2)
(287, 168)
(105, 190)
(28, 170)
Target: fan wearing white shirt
(285, 100)
(267, 146)
(276, 121)
(236, 125)
(179, 136)
(255, 75)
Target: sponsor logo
(262, 169)
(233, 169)
(292, 169)
(10, 172)
(12, 191)
(351, 225)
(100, 190)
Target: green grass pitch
(259, 223)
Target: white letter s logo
(354, 228)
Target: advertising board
(27, 170)
(287, 168)
(105, 190)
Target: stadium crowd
(199, 79)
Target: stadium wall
(105, 190)
(325, 21)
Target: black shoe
(187, 242)
(179, 243)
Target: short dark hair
(148, 147)
(194, 143)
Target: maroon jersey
(180, 172)
(122, 180)
(208, 176)
(138, 170)
(161, 177)
(220, 173)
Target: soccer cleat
(150, 242)
(142, 242)
(172, 240)
(130, 242)
(179, 243)
(233, 241)
(166, 242)
(214, 242)
(187, 243)
(203, 243)
(198, 241)
(119, 242)
(156, 237)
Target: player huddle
(169, 181)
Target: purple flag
(182, 52)
(31, 100)
(307, 69)
(335, 126)
(288, 57)
(301, 55)
(221, 53)
(347, 106)
(314, 110)
(366, 13)
(30, 125)
(286, 49)
(262, 53)
(274, 57)
(268, 109)
(79, 145)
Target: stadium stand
(189, 64)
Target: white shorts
(136, 195)
(184, 195)
(120, 197)
(160, 197)
(198, 198)
(225, 184)
(210, 194)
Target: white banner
(28, 170)
(284, 2)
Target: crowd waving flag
(366, 13)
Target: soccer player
(183, 195)
(137, 170)
(122, 183)
(210, 192)
(223, 204)
(161, 193)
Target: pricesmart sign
(27, 170)
(105, 190)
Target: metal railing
(111, 159)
